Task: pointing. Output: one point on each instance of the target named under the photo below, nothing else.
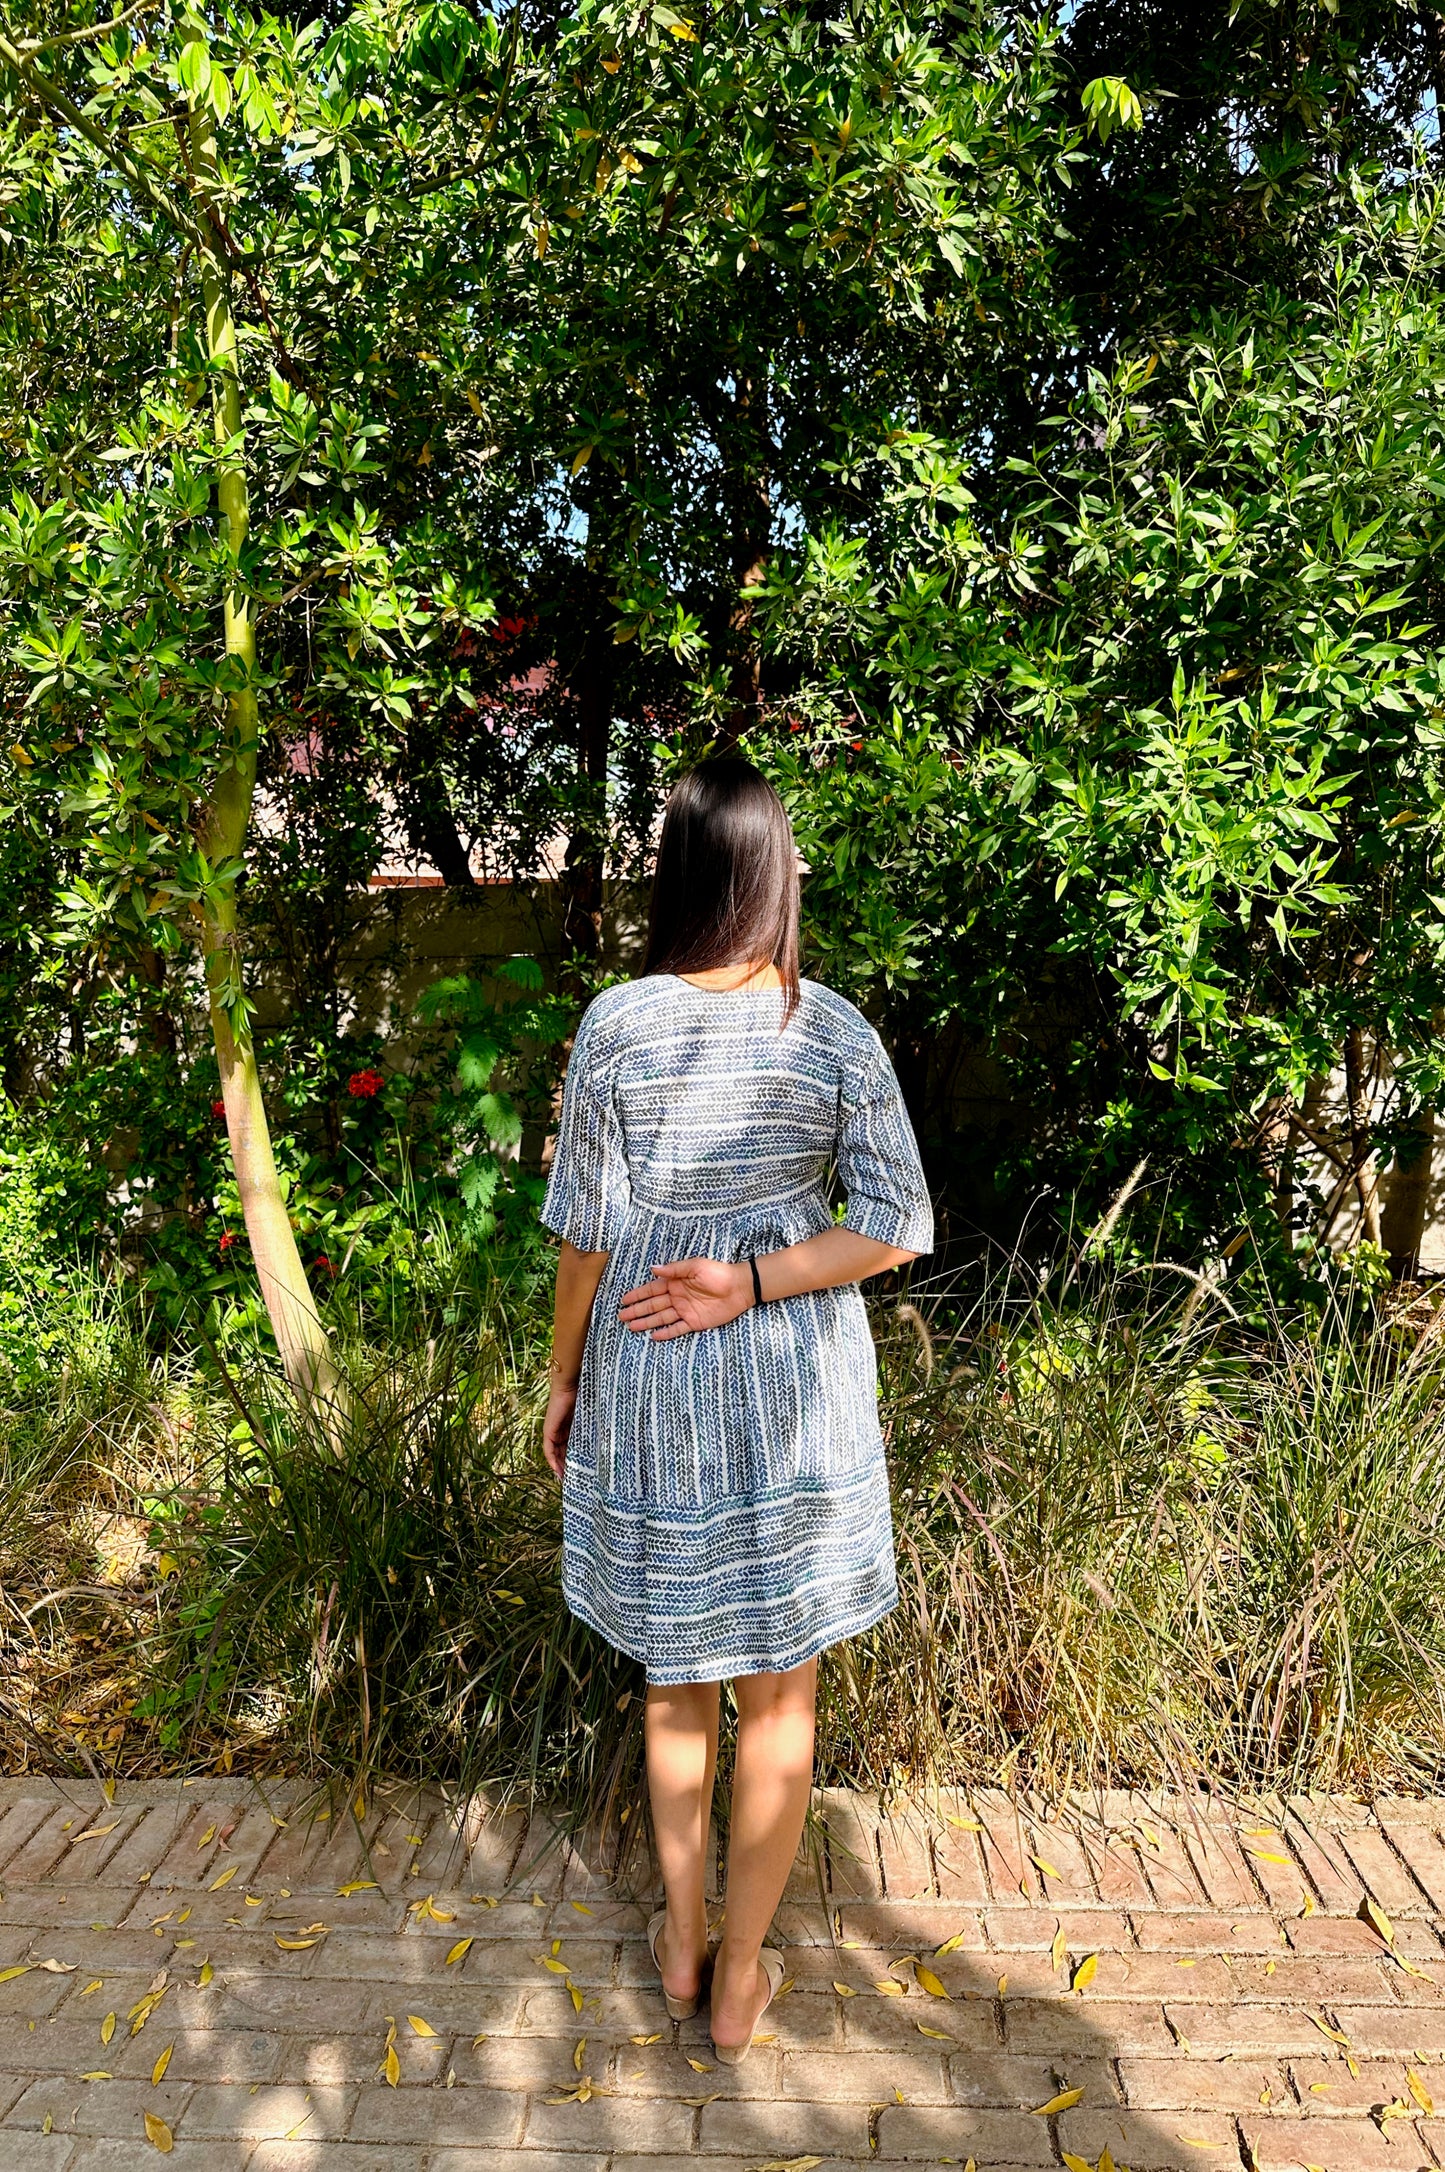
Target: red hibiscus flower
(364, 1085)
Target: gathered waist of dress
(808, 1201)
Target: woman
(713, 1412)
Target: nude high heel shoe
(774, 1968)
(678, 2009)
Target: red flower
(364, 1085)
(324, 1265)
(218, 1108)
(228, 1238)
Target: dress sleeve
(588, 1189)
(878, 1159)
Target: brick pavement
(1159, 1984)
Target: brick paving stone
(1002, 2081)
(878, 2024)
(1088, 1930)
(1388, 1878)
(1153, 2141)
(1273, 1866)
(921, 1924)
(1250, 2031)
(1168, 1865)
(479, 2160)
(782, 2130)
(1068, 1880)
(1118, 1872)
(905, 1855)
(868, 2077)
(1212, 1934)
(1422, 1849)
(1336, 1934)
(1327, 2086)
(99, 2107)
(439, 2118)
(631, 2123)
(35, 2152)
(228, 2111)
(957, 1860)
(1336, 2145)
(1223, 1867)
(1106, 2029)
(1408, 2029)
(1014, 1880)
(851, 1823)
(1344, 1981)
(995, 2139)
(130, 2154)
(304, 2156)
(1327, 1866)
(1211, 2085)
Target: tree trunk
(751, 503)
(583, 870)
(1276, 1156)
(1366, 1172)
(1407, 1195)
(221, 831)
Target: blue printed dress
(725, 1505)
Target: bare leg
(680, 1728)
(771, 1785)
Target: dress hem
(722, 1670)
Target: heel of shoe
(731, 2054)
(680, 2009)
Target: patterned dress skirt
(725, 1503)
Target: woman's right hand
(557, 1425)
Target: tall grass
(1132, 1548)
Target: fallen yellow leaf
(657, 2039)
(295, 1945)
(1418, 2091)
(889, 1988)
(1060, 2103)
(94, 1985)
(94, 1832)
(207, 1837)
(1047, 1868)
(699, 2066)
(22, 1968)
(206, 1976)
(97, 2074)
(1086, 1971)
(158, 2071)
(929, 1981)
(418, 2026)
(941, 2035)
(580, 2047)
(1059, 1950)
(845, 1990)
(107, 2028)
(159, 2135)
(459, 1951)
(950, 1945)
(225, 1878)
(357, 1885)
(391, 2065)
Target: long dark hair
(726, 886)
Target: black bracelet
(757, 1286)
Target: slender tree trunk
(1407, 1196)
(584, 869)
(752, 520)
(1276, 1156)
(1367, 1185)
(300, 1337)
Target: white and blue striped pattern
(725, 1508)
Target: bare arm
(689, 1294)
(578, 1274)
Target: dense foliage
(1022, 434)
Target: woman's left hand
(686, 1295)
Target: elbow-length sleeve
(878, 1162)
(588, 1190)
